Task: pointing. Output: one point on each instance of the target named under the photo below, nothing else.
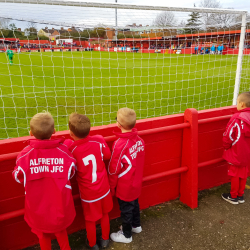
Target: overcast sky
(68, 16)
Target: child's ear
(242, 104)
(54, 131)
(71, 134)
(119, 125)
(30, 133)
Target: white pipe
(240, 58)
(125, 6)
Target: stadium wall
(183, 155)
(22, 42)
(226, 51)
(81, 47)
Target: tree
(31, 28)
(12, 27)
(193, 23)
(98, 32)
(165, 19)
(225, 20)
(181, 25)
(4, 23)
(209, 18)
(42, 38)
(221, 20)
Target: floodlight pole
(240, 58)
(116, 32)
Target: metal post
(240, 58)
(116, 32)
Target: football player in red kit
(125, 174)
(45, 168)
(92, 178)
(236, 142)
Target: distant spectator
(196, 50)
(212, 50)
(219, 49)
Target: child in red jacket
(45, 168)
(125, 174)
(92, 178)
(236, 142)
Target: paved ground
(214, 225)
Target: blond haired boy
(92, 178)
(45, 167)
(125, 174)
(236, 142)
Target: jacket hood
(53, 143)
(131, 134)
(79, 142)
(244, 115)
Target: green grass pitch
(99, 83)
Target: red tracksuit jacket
(236, 139)
(126, 166)
(91, 172)
(45, 167)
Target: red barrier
(189, 179)
(236, 52)
(22, 42)
(183, 155)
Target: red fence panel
(212, 124)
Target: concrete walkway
(214, 225)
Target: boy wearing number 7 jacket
(92, 178)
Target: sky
(54, 16)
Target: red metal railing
(214, 119)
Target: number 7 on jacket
(86, 161)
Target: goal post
(95, 58)
(240, 58)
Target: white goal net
(93, 58)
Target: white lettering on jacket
(47, 161)
(42, 165)
(41, 169)
(57, 169)
(137, 147)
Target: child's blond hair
(42, 125)
(126, 117)
(79, 125)
(245, 98)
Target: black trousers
(130, 214)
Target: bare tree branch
(4, 23)
(165, 19)
(225, 20)
(209, 18)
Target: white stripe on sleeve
(128, 168)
